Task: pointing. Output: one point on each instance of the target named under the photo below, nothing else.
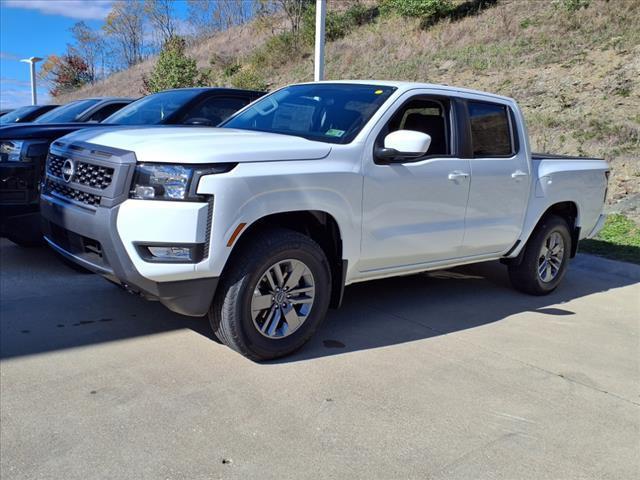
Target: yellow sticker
(378, 92)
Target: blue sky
(40, 28)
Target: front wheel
(545, 259)
(273, 297)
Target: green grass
(619, 240)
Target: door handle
(518, 174)
(457, 175)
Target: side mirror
(402, 146)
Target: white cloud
(80, 9)
(16, 93)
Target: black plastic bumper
(89, 239)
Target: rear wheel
(273, 297)
(545, 258)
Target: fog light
(176, 253)
(170, 253)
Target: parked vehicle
(25, 114)
(23, 148)
(4, 111)
(88, 110)
(261, 223)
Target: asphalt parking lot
(441, 375)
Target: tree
(295, 11)
(65, 74)
(209, 16)
(89, 45)
(161, 18)
(174, 69)
(125, 27)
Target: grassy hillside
(574, 73)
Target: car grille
(71, 193)
(88, 174)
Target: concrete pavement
(440, 375)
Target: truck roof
(404, 86)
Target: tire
(246, 313)
(551, 235)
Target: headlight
(11, 150)
(171, 182)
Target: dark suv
(23, 148)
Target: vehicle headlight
(11, 150)
(171, 182)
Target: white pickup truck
(261, 223)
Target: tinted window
(490, 129)
(18, 114)
(68, 112)
(333, 113)
(152, 109)
(104, 112)
(214, 110)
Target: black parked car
(23, 148)
(91, 110)
(25, 114)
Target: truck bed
(551, 156)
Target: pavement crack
(508, 357)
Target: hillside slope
(574, 73)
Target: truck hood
(186, 144)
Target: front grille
(71, 193)
(88, 174)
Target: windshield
(16, 115)
(68, 112)
(152, 109)
(333, 113)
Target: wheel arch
(568, 210)
(320, 226)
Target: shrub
(276, 51)
(174, 69)
(416, 8)
(572, 5)
(248, 78)
(337, 24)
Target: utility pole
(321, 12)
(32, 64)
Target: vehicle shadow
(45, 306)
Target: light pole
(32, 63)
(321, 9)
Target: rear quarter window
(491, 134)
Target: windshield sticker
(378, 92)
(334, 132)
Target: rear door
(499, 178)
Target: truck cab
(261, 223)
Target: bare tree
(209, 16)
(161, 17)
(294, 10)
(125, 27)
(89, 45)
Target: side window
(424, 115)
(214, 110)
(490, 130)
(105, 111)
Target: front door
(413, 212)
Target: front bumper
(89, 238)
(89, 219)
